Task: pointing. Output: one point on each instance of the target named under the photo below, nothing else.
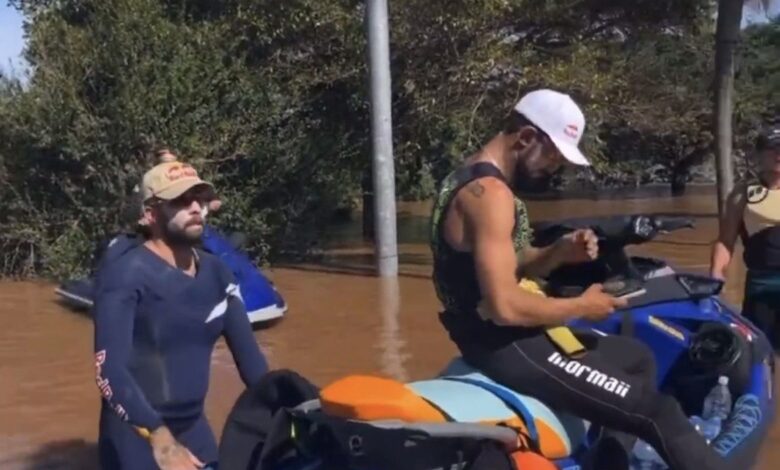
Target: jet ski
(367, 422)
(263, 302)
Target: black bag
(256, 428)
(263, 432)
(354, 445)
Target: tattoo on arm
(476, 189)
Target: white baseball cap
(560, 118)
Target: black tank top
(761, 228)
(454, 272)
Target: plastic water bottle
(717, 404)
(698, 423)
(646, 458)
(709, 429)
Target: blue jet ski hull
(669, 328)
(263, 302)
(372, 423)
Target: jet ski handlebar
(614, 232)
(642, 228)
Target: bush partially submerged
(270, 100)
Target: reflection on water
(341, 320)
(390, 341)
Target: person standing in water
(159, 309)
(753, 214)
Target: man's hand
(170, 454)
(597, 305)
(578, 246)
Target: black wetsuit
(155, 330)
(761, 238)
(612, 385)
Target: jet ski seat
(460, 396)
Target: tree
(726, 40)
(270, 100)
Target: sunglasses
(202, 196)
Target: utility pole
(727, 35)
(386, 245)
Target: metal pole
(726, 38)
(382, 138)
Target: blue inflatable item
(263, 302)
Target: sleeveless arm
(730, 226)
(487, 207)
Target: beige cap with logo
(169, 180)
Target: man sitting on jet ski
(481, 247)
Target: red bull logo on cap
(176, 172)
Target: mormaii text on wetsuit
(590, 375)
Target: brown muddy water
(341, 320)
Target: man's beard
(180, 237)
(524, 182)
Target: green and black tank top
(454, 272)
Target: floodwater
(341, 320)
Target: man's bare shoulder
(485, 189)
(486, 202)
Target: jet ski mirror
(673, 223)
(644, 228)
(699, 287)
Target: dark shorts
(762, 307)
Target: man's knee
(660, 411)
(646, 365)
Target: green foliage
(460, 68)
(115, 78)
(270, 100)
(758, 77)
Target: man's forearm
(530, 310)
(539, 261)
(719, 260)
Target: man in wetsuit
(159, 309)
(481, 247)
(753, 214)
